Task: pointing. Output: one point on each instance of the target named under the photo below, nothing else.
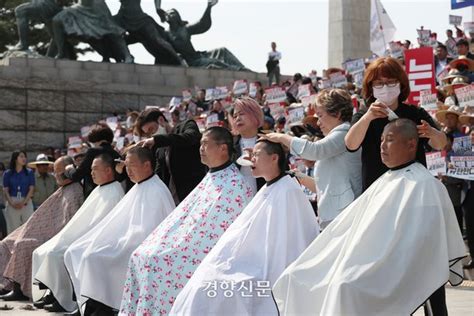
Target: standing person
(468, 206)
(101, 137)
(45, 184)
(451, 44)
(273, 65)
(337, 177)
(3, 224)
(247, 120)
(388, 251)
(385, 88)
(18, 188)
(178, 162)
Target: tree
(38, 36)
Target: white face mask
(387, 95)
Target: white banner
(436, 162)
(275, 95)
(240, 87)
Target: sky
(299, 27)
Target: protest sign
(424, 37)
(74, 142)
(419, 65)
(253, 90)
(338, 80)
(85, 131)
(221, 93)
(275, 95)
(212, 120)
(354, 66)
(455, 19)
(112, 122)
(295, 115)
(436, 162)
(465, 96)
(461, 167)
(428, 100)
(462, 146)
(304, 90)
(240, 87)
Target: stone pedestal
(349, 30)
(43, 101)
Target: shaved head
(399, 143)
(405, 128)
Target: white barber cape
(384, 255)
(97, 262)
(48, 259)
(270, 233)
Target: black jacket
(184, 158)
(83, 171)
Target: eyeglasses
(389, 83)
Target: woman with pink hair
(247, 119)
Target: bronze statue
(91, 21)
(41, 11)
(180, 37)
(143, 29)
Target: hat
(441, 115)
(41, 159)
(453, 73)
(462, 60)
(457, 82)
(466, 119)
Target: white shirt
(275, 55)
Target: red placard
(419, 65)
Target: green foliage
(38, 36)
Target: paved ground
(460, 303)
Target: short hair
(405, 127)
(143, 154)
(276, 148)
(385, 67)
(107, 160)
(443, 47)
(462, 41)
(147, 116)
(100, 132)
(335, 101)
(252, 108)
(222, 136)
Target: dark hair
(335, 101)
(222, 136)
(462, 41)
(144, 154)
(100, 132)
(14, 157)
(385, 67)
(443, 47)
(277, 149)
(147, 116)
(107, 160)
(2, 166)
(307, 80)
(297, 76)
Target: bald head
(59, 168)
(399, 143)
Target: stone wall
(44, 101)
